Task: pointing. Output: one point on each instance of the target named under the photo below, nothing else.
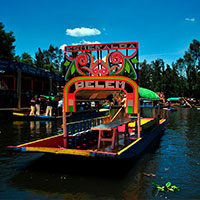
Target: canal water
(175, 158)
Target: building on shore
(19, 81)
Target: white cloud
(189, 19)
(85, 42)
(62, 47)
(81, 32)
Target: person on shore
(32, 104)
(60, 107)
(37, 105)
(49, 107)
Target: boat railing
(80, 135)
(78, 126)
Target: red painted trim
(5, 84)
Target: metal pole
(19, 87)
(51, 85)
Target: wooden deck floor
(107, 146)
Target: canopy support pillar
(138, 125)
(64, 129)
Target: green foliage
(39, 59)
(6, 44)
(182, 78)
(50, 59)
(145, 75)
(26, 58)
(168, 187)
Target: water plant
(168, 187)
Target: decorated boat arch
(93, 73)
(81, 59)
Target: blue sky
(164, 29)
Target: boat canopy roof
(174, 98)
(147, 94)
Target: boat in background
(84, 114)
(170, 109)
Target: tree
(26, 58)
(6, 44)
(171, 84)
(158, 69)
(39, 59)
(145, 75)
(180, 65)
(50, 59)
(192, 60)
(189, 68)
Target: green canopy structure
(47, 97)
(148, 94)
(174, 98)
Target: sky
(163, 28)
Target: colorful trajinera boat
(121, 135)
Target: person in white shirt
(60, 107)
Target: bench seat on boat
(111, 127)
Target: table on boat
(110, 126)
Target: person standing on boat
(37, 105)
(32, 104)
(49, 107)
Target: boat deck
(86, 143)
(123, 141)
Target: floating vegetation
(168, 187)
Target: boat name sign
(100, 84)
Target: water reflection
(36, 127)
(49, 127)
